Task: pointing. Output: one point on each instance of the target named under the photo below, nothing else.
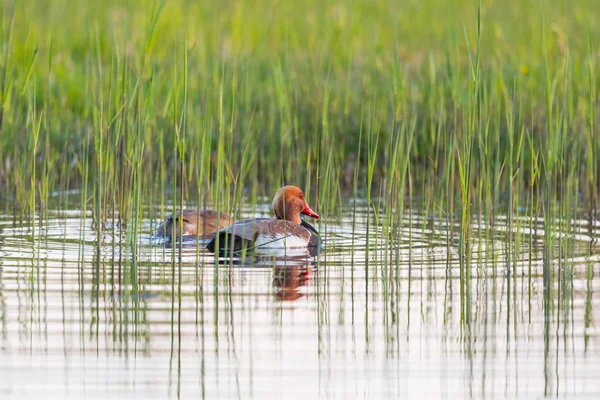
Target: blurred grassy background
(370, 95)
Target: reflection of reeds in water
(411, 295)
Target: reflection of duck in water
(287, 281)
(289, 273)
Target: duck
(273, 236)
(194, 222)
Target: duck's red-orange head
(289, 203)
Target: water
(394, 321)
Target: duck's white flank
(279, 240)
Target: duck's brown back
(194, 222)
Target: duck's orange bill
(308, 211)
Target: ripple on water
(383, 312)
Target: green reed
(592, 142)
(309, 112)
(150, 107)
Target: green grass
(453, 111)
(142, 103)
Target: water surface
(379, 314)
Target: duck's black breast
(314, 243)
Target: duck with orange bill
(286, 235)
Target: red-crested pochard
(202, 223)
(286, 232)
